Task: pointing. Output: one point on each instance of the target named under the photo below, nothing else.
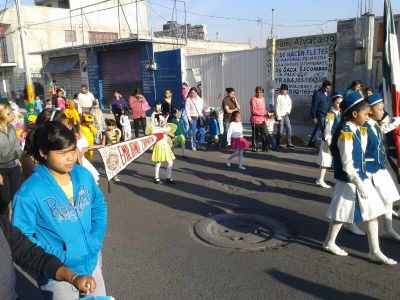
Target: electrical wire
(258, 21)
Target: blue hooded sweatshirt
(74, 234)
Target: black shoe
(157, 180)
(254, 149)
(265, 150)
(290, 146)
(170, 181)
(311, 145)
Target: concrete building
(51, 24)
(174, 29)
(359, 50)
(58, 24)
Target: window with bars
(70, 35)
(3, 47)
(102, 37)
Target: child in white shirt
(236, 140)
(126, 125)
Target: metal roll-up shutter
(120, 69)
(71, 81)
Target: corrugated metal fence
(242, 70)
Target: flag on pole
(391, 71)
(118, 156)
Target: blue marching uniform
(332, 120)
(375, 158)
(350, 168)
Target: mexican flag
(391, 71)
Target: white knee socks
(233, 155)
(322, 172)
(169, 169)
(157, 175)
(330, 241)
(388, 231)
(333, 231)
(240, 158)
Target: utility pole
(273, 50)
(28, 77)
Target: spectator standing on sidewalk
(85, 99)
(139, 106)
(185, 92)
(168, 107)
(194, 110)
(117, 104)
(258, 122)
(319, 107)
(229, 105)
(283, 110)
(10, 153)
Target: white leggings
(237, 153)
(169, 169)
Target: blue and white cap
(350, 100)
(336, 95)
(375, 98)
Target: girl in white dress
(354, 198)
(376, 162)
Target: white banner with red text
(117, 157)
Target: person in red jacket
(258, 122)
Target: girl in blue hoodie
(61, 209)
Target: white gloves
(359, 188)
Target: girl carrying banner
(162, 150)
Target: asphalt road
(150, 251)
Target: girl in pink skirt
(236, 140)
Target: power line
(258, 21)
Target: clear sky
(292, 17)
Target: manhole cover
(243, 231)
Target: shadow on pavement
(313, 289)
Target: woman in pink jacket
(194, 110)
(257, 120)
(139, 106)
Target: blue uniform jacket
(44, 214)
(357, 155)
(375, 154)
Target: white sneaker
(334, 249)
(116, 179)
(228, 163)
(323, 184)
(241, 168)
(194, 148)
(353, 228)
